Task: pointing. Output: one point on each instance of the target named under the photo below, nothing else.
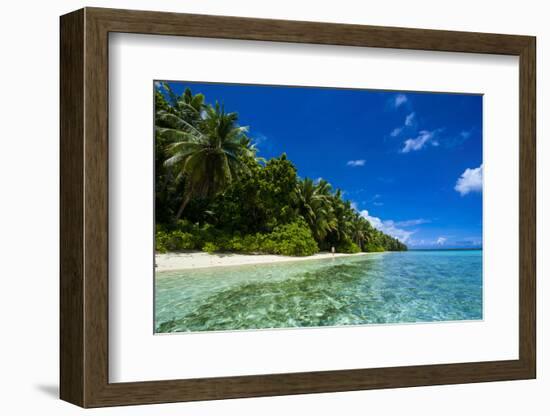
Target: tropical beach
(195, 260)
(377, 288)
(214, 192)
(265, 199)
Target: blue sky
(410, 162)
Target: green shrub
(222, 242)
(267, 245)
(161, 239)
(236, 243)
(185, 225)
(348, 246)
(210, 247)
(180, 241)
(294, 239)
(251, 243)
(173, 241)
(373, 247)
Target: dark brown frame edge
(84, 207)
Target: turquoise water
(381, 288)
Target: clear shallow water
(413, 286)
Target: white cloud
(439, 241)
(399, 100)
(396, 131)
(409, 223)
(409, 120)
(424, 137)
(471, 180)
(355, 163)
(388, 227)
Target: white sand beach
(194, 260)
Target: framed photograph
(257, 207)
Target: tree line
(214, 193)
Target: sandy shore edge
(196, 260)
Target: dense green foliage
(292, 239)
(213, 193)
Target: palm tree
(341, 211)
(313, 201)
(209, 155)
(359, 229)
(175, 115)
(188, 107)
(184, 115)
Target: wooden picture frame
(84, 207)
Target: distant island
(213, 192)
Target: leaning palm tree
(175, 114)
(210, 155)
(313, 202)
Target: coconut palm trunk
(184, 203)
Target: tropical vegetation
(213, 192)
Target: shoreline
(175, 261)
